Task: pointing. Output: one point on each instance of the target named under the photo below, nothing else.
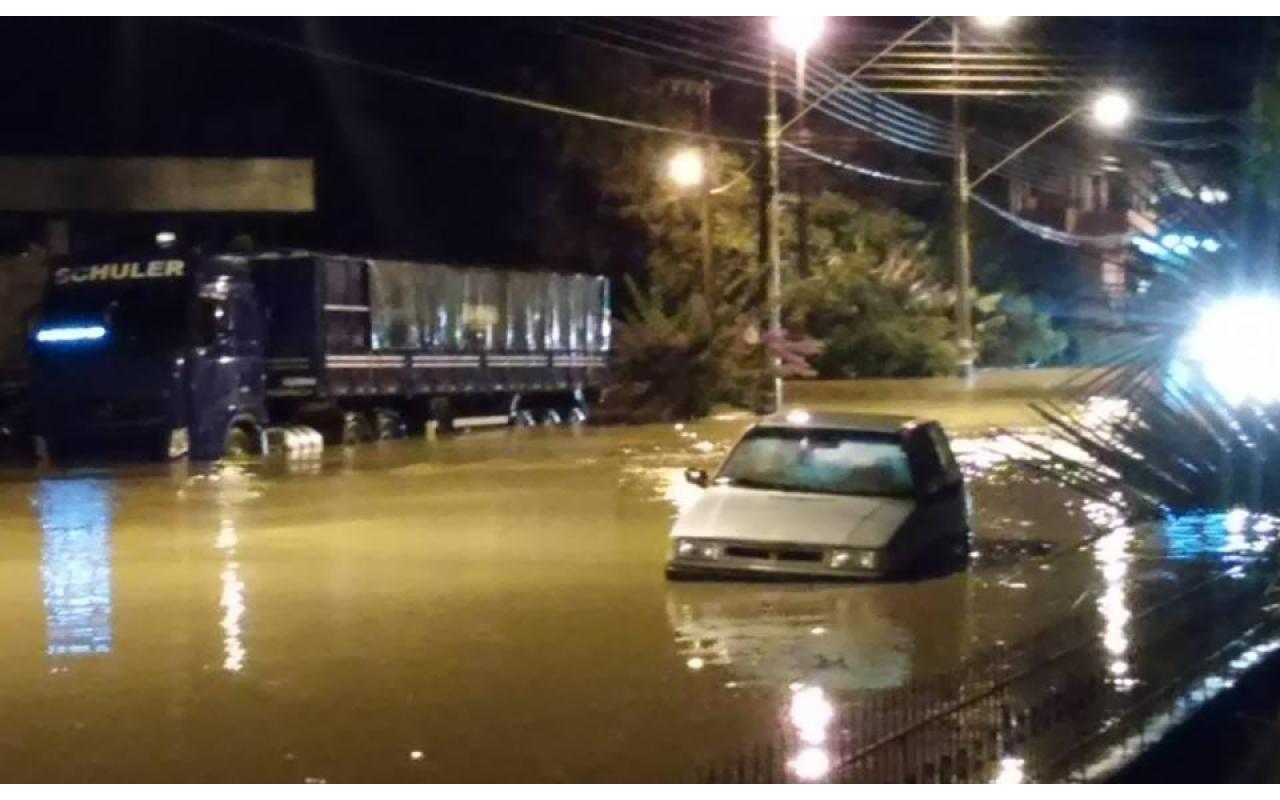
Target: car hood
(726, 512)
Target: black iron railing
(1045, 709)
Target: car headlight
(693, 548)
(854, 559)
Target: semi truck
(171, 352)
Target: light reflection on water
(676, 490)
(810, 714)
(232, 599)
(234, 486)
(834, 638)
(75, 565)
(1011, 770)
(1112, 553)
(1233, 537)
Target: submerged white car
(825, 495)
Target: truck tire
(356, 428)
(441, 412)
(387, 424)
(240, 444)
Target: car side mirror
(698, 477)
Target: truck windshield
(822, 461)
(137, 318)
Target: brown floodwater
(490, 606)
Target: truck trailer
(172, 352)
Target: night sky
(410, 170)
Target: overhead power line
(884, 118)
(1106, 241)
(473, 91)
(852, 103)
(861, 170)
(1046, 232)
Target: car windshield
(823, 461)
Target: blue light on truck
(75, 333)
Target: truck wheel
(356, 428)
(387, 424)
(239, 445)
(441, 412)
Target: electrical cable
(861, 170)
(439, 83)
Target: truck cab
(159, 355)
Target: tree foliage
(875, 303)
(1017, 334)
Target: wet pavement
(491, 606)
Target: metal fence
(1044, 709)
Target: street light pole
(802, 173)
(1110, 110)
(1020, 149)
(709, 158)
(963, 255)
(799, 34)
(773, 218)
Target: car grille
(773, 553)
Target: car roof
(839, 420)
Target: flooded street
(490, 606)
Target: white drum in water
(296, 441)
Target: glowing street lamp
(797, 33)
(993, 23)
(1111, 110)
(685, 168)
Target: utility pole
(802, 172)
(773, 218)
(963, 256)
(710, 157)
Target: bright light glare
(685, 168)
(797, 33)
(1011, 771)
(81, 333)
(811, 712)
(811, 764)
(798, 417)
(993, 23)
(1213, 196)
(1225, 345)
(1111, 110)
